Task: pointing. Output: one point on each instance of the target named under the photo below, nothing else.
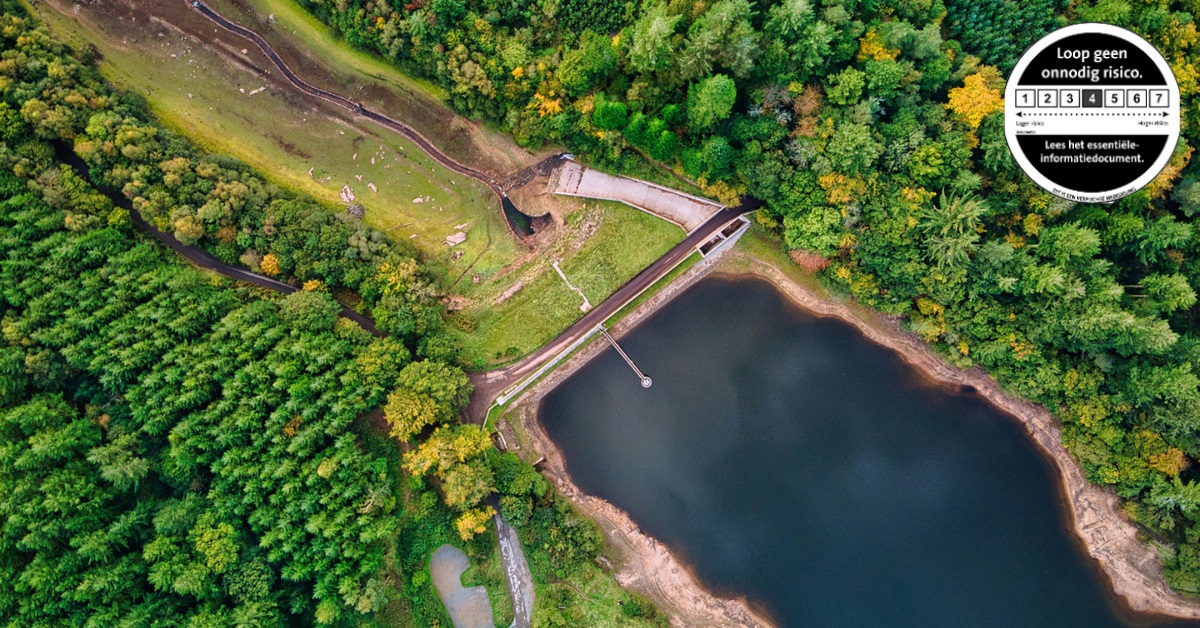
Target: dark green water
(791, 461)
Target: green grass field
(199, 82)
(625, 241)
(588, 597)
(489, 572)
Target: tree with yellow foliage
(446, 447)
(454, 454)
(270, 265)
(466, 484)
(872, 46)
(546, 106)
(409, 412)
(975, 100)
(473, 522)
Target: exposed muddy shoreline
(645, 565)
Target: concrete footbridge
(645, 379)
(502, 385)
(572, 178)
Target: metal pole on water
(646, 381)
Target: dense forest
(179, 449)
(873, 132)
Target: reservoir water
(791, 461)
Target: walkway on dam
(689, 212)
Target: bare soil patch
(809, 261)
(535, 200)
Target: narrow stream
(791, 461)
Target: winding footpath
(204, 259)
(399, 127)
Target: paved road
(491, 384)
(357, 108)
(516, 570)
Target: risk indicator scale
(1092, 113)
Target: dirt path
(645, 565)
(194, 254)
(525, 175)
(395, 125)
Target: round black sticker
(1091, 112)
